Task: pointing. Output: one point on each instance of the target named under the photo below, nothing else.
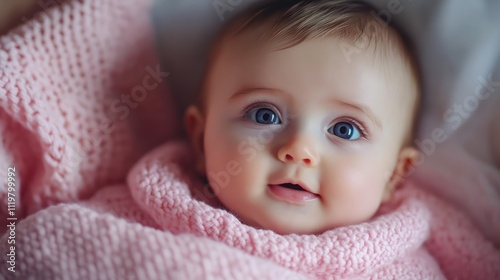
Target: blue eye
(345, 130)
(264, 116)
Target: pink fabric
(64, 124)
(155, 229)
(81, 100)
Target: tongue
(291, 194)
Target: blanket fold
(75, 241)
(413, 223)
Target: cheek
(232, 160)
(357, 174)
(220, 151)
(356, 180)
(354, 189)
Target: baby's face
(303, 139)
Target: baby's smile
(292, 191)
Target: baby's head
(305, 115)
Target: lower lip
(290, 195)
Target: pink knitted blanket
(156, 229)
(82, 98)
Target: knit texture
(156, 229)
(81, 98)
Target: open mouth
(292, 186)
(293, 193)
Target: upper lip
(296, 182)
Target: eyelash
(358, 124)
(262, 104)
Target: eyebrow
(363, 109)
(254, 89)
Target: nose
(299, 150)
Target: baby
(305, 115)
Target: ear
(194, 123)
(408, 156)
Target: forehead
(327, 63)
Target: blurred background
(13, 12)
